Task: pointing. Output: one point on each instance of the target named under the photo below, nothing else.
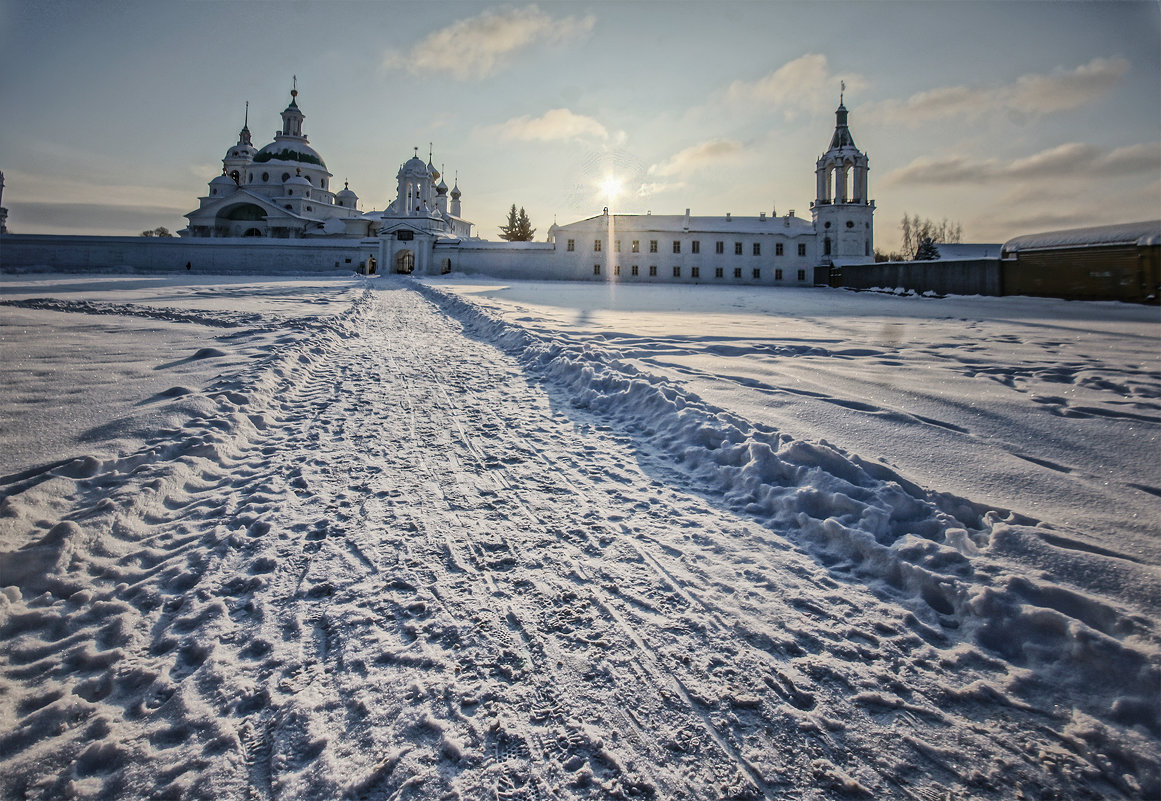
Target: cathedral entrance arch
(405, 262)
(243, 211)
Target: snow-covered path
(413, 553)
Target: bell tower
(843, 215)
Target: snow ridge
(218, 319)
(952, 562)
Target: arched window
(265, 177)
(285, 177)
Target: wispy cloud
(1060, 90)
(804, 84)
(697, 157)
(477, 47)
(39, 187)
(555, 125)
(647, 190)
(1074, 159)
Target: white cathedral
(283, 191)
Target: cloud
(804, 84)
(656, 188)
(1074, 159)
(1064, 90)
(697, 157)
(28, 187)
(476, 47)
(1060, 90)
(556, 124)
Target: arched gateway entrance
(405, 262)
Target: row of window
(695, 272)
(285, 178)
(695, 247)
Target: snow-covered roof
(968, 250)
(679, 223)
(1137, 233)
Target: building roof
(968, 250)
(679, 223)
(1137, 233)
(842, 134)
(293, 150)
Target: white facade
(283, 191)
(669, 247)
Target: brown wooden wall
(1123, 272)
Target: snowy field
(306, 538)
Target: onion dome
(241, 151)
(291, 151)
(441, 188)
(455, 193)
(414, 168)
(346, 194)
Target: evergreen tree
(518, 228)
(509, 231)
(927, 251)
(525, 228)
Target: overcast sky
(1007, 117)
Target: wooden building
(1108, 262)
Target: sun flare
(611, 187)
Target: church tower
(239, 157)
(843, 215)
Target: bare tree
(918, 230)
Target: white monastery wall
(244, 255)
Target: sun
(611, 187)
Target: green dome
(284, 151)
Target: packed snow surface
(381, 538)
